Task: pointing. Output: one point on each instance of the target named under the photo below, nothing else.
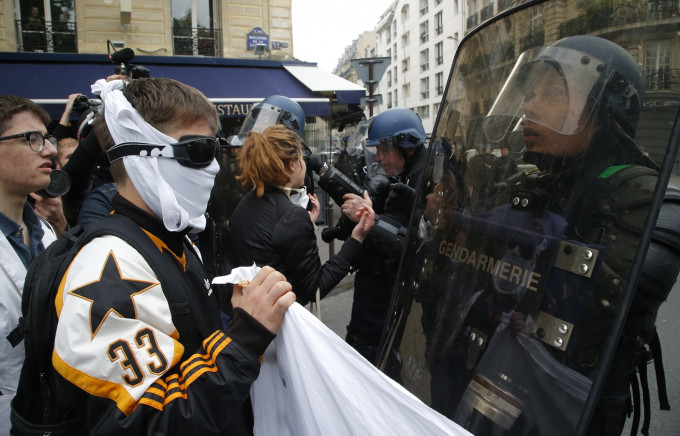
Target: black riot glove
(400, 201)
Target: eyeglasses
(190, 151)
(36, 140)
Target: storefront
(234, 85)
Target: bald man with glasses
(25, 166)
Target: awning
(232, 84)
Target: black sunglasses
(191, 151)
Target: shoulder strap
(173, 282)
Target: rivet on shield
(558, 342)
(587, 255)
(563, 328)
(583, 268)
(525, 202)
(515, 201)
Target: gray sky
(323, 28)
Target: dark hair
(266, 155)
(12, 104)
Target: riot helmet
(275, 109)
(393, 131)
(591, 77)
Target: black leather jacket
(271, 230)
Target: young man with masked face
(132, 361)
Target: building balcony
(663, 78)
(196, 41)
(612, 15)
(471, 21)
(486, 12)
(504, 4)
(531, 39)
(46, 36)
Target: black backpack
(36, 409)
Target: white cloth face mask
(297, 196)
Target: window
(404, 39)
(425, 60)
(389, 78)
(439, 52)
(423, 111)
(435, 109)
(425, 87)
(53, 29)
(396, 100)
(395, 75)
(406, 90)
(389, 53)
(405, 64)
(194, 28)
(439, 83)
(404, 13)
(658, 64)
(424, 31)
(389, 100)
(439, 22)
(455, 7)
(388, 36)
(424, 7)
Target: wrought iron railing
(197, 41)
(661, 78)
(46, 36)
(532, 39)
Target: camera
(335, 183)
(82, 103)
(60, 183)
(123, 58)
(132, 71)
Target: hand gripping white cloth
(312, 383)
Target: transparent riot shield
(546, 173)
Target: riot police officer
(394, 145)
(578, 103)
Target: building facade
(241, 29)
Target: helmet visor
(356, 142)
(259, 118)
(555, 87)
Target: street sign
(370, 69)
(257, 36)
(366, 101)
